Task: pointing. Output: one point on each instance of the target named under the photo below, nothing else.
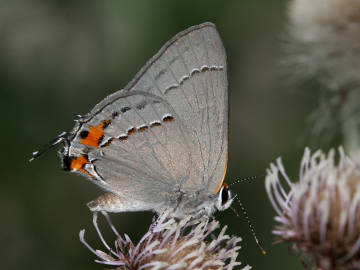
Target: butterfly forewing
(189, 72)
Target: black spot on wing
(106, 123)
(100, 140)
(107, 143)
(114, 115)
(168, 118)
(66, 162)
(124, 109)
(83, 134)
(141, 105)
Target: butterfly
(161, 142)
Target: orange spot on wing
(105, 123)
(123, 138)
(155, 124)
(131, 131)
(95, 134)
(142, 129)
(78, 163)
(168, 118)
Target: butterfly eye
(224, 198)
(224, 195)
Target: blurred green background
(59, 58)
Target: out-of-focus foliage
(59, 58)
(323, 46)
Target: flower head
(319, 214)
(325, 40)
(171, 244)
(324, 45)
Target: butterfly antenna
(60, 138)
(250, 178)
(249, 222)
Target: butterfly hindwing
(135, 149)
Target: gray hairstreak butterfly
(161, 143)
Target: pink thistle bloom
(320, 214)
(171, 244)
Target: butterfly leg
(155, 221)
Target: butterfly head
(224, 198)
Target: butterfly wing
(190, 72)
(166, 132)
(130, 146)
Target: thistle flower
(325, 36)
(320, 214)
(324, 43)
(171, 244)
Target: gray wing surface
(139, 156)
(168, 127)
(190, 72)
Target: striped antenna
(62, 137)
(249, 223)
(247, 179)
